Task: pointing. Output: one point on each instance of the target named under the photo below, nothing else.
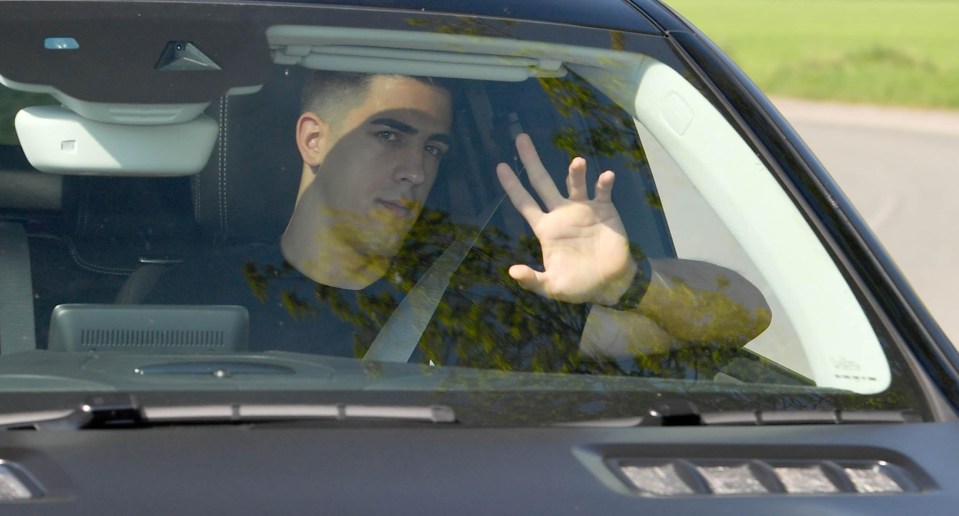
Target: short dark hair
(324, 91)
(330, 94)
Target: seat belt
(399, 336)
(16, 291)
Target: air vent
(682, 477)
(111, 338)
(160, 328)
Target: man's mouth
(398, 207)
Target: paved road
(900, 168)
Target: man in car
(371, 147)
(368, 165)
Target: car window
(376, 233)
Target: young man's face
(379, 162)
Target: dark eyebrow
(405, 128)
(395, 124)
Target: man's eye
(389, 136)
(435, 151)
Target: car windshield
(526, 222)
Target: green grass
(892, 52)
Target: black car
(357, 256)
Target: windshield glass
(436, 207)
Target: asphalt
(923, 121)
(900, 168)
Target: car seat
(247, 190)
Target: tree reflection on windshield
(486, 320)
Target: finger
(576, 180)
(521, 199)
(604, 186)
(528, 278)
(538, 175)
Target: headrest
(248, 189)
(22, 188)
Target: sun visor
(412, 53)
(59, 141)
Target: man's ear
(311, 134)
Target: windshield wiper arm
(239, 412)
(122, 411)
(685, 413)
(112, 410)
(810, 417)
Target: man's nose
(411, 168)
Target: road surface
(900, 168)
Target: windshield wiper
(811, 417)
(122, 411)
(685, 413)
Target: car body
(157, 356)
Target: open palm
(585, 250)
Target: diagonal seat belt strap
(399, 337)
(16, 290)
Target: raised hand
(585, 250)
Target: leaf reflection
(486, 320)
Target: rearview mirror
(58, 141)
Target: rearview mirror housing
(59, 141)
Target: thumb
(528, 278)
